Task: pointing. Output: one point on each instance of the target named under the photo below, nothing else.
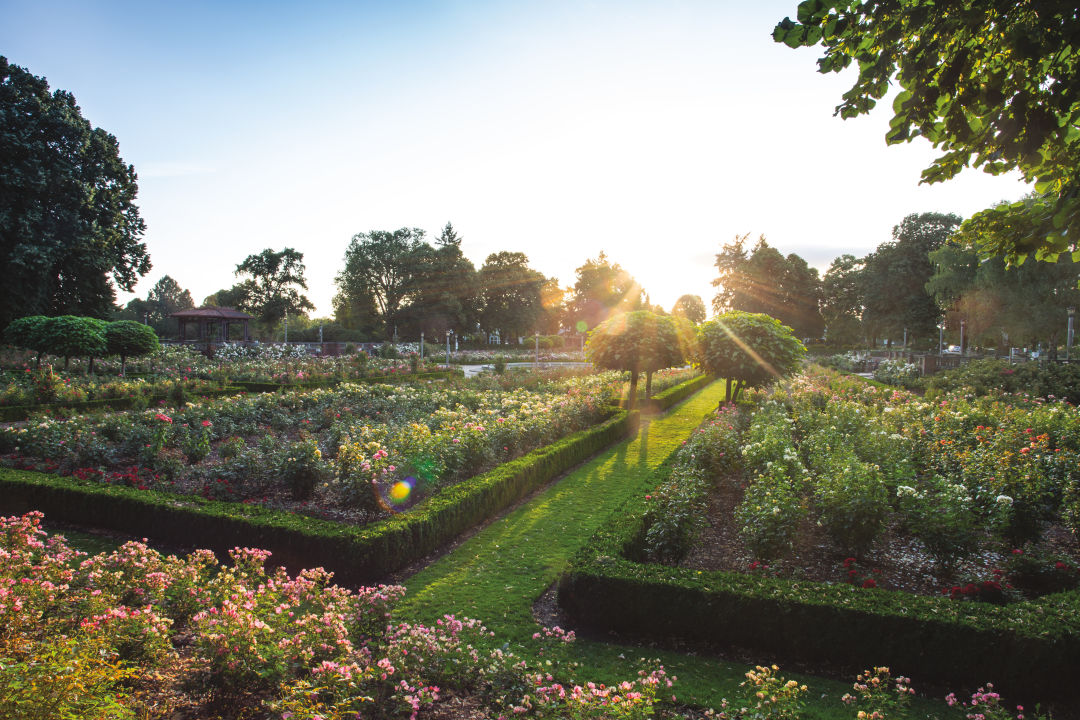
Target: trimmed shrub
(128, 338)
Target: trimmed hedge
(1028, 650)
(357, 555)
(674, 395)
(14, 413)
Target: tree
(269, 293)
(1027, 303)
(28, 332)
(510, 294)
(602, 289)
(842, 300)
(691, 307)
(127, 338)
(440, 293)
(636, 342)
(72, 336)
(69, 226)
(992, 83)
(764, 281)
(162, 300)
(380, 268)
(895, 277)
(748, 349)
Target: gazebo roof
(211, 312)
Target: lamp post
(286, 327)
(962, 324)
(1069, 334)
(421, 346)
(448, 333)
(940, 335)
(536, 364)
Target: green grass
(499, 573)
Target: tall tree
(992, 83)
(162, 300)
(380, 266)
(999, 305)
(842, 300)
(510, 295)
(764, 281)
(602, 289)
(271, 290)
(691, 307)
(895, 277)
(69, 226)
(441, 289)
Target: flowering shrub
(80, 637)
(985, 704)
(898, 372)
(879, 696)
(768, 696)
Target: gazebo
(207, 318)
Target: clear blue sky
(653, 131)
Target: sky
(652, 131)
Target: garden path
(499, 573)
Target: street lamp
(1069, 334)
(421, 347)
(448, 333)
(940, 335)
(537, 363)
(962, 324)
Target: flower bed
(966, 491)
(137, 634)
(356, 451)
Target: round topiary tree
(639, 342)
(748, 349)
(72, 336)
(128, 338)
(27, 332)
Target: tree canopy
(691, 307)
(162, 300)
(128, 338)
(69, 226)
(991, 83)
(764, 281)
(269, 292)
(895, 275)
(511, 295)
(748, 349)
(602, 289)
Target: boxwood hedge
(1028, 649)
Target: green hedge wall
(1029, 650)
(674, 395)
(357, 555)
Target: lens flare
(401, 490)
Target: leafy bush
(852, 502)
(995, 377)
(899, 373)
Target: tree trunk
(632, 400)
(648, 384)
(123, 365)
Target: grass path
(499, 573)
